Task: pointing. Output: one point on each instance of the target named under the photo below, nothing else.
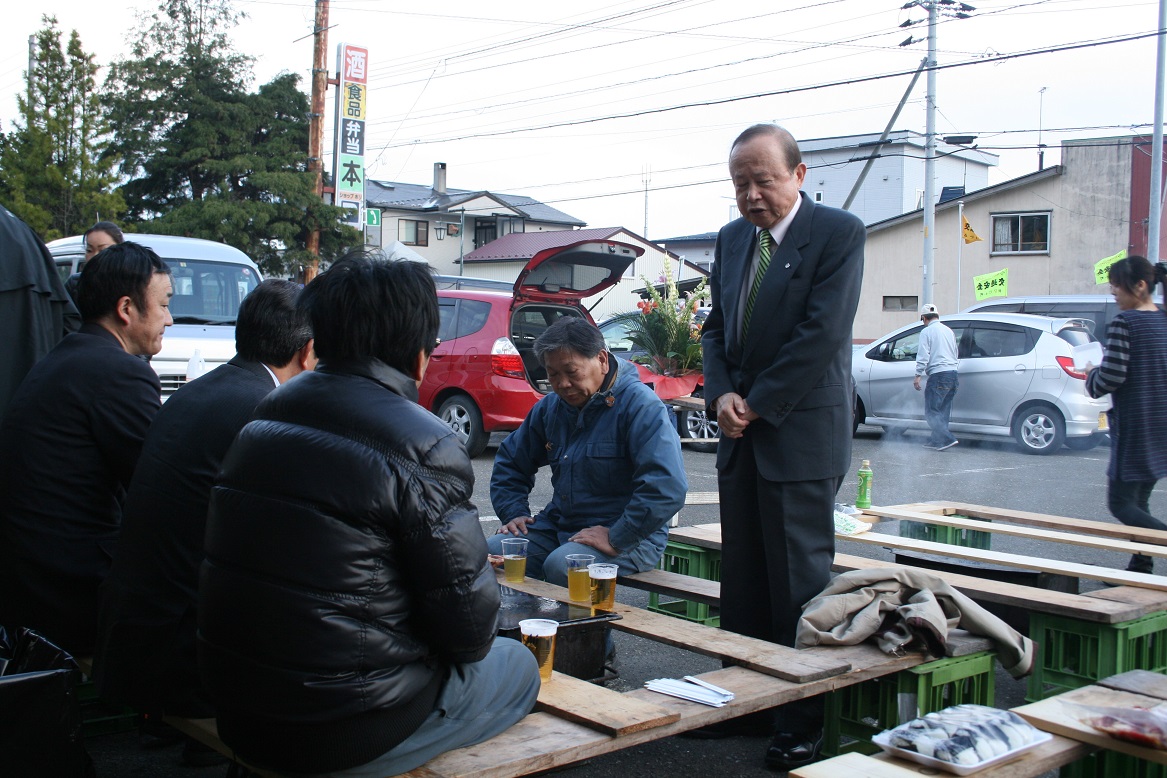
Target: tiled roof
(419, 197)
(524, 245)
(705, 236)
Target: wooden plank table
(1020, 561)
(768, 676)
(1137, 688)
(1099, 542)
(1086, 526)
(1056, 753)
(758, 655)
(1105, 606)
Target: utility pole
(1040, 145)
(1155, 211)
(316, 123)
(646, 177)
(955, 10)
(930, 164)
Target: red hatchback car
(483, 377)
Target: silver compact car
(1017, 378)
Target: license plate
(1103, 426)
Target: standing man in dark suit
(146, 645)
(777, 352)
(69, 443)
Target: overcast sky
(516, 97)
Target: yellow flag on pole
(1102, 267)
(966, 228)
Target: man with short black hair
(69, 444)
(347, 610)
(146, 652)
(936, 358)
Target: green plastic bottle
(863, 497)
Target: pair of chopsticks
(692, 689)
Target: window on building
(509, 224)
(901, 303)
(1021, 233)
(818, 197)
(413, 233)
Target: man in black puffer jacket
(348, 612)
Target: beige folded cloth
(897, 605)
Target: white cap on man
(928, 309)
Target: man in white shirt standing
(936, 358)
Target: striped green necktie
(765, 246)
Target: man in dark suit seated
(777, 355)
(69, 443)
(146, 631)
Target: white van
(210, 281)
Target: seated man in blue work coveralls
(615, 459)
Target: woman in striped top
(1134, 373)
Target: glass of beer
(539, 636)
(579, 581)
(514, 559)
(603, 577)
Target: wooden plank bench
(1095, 541)
(1107, 606)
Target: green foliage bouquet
(666, 328)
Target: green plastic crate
(1074, 653)
(102, 718)
(939, 533)
(857, 712)
(1110, 764)
(695, 561)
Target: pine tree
(201, 154)
(52, 171)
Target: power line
(724, 179)
(792, 90)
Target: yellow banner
(1102, 267)
(967, 230)
(992, 284)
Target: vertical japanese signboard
(348, 173)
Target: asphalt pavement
(986, 471)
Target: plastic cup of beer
(579, 580)
(514, 559)
(603, 577)
(539, 636)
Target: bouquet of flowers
(666, 328)
(668, 331)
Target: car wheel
(460, 414)
(1039, 429)
(1085, 443)
(697, 424)
(859, 415)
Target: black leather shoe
(759, 724)
(792, 750)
